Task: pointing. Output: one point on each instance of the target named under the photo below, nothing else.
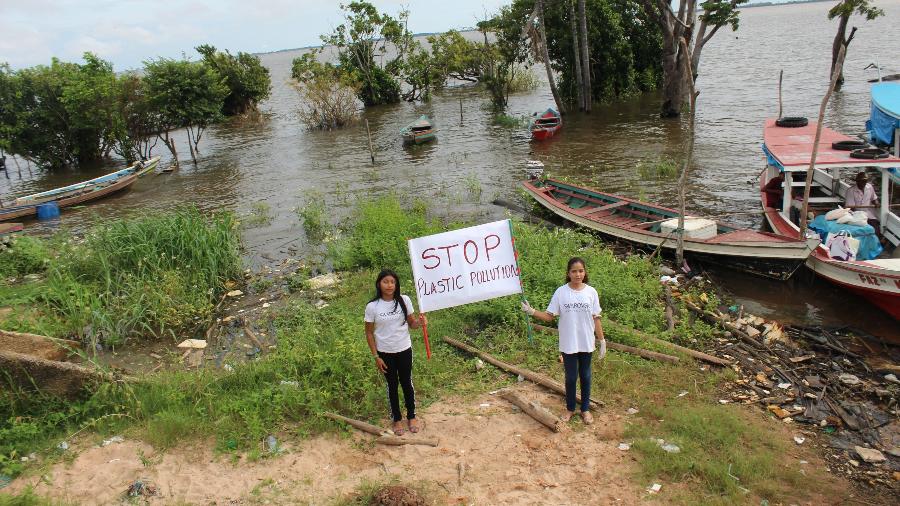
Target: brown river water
(279, 162)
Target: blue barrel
(48, 211)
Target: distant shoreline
(470, 29)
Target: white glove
(527, 308)
(602, 348)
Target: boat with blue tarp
(884, 122)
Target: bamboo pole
(460, 112)
(662, 357)
(687, 351)
(780, 75)
(534, 410)
(540, 379)
(727, 325)
(369, 135)
(363, 426)
(399, 441)
(836, 73)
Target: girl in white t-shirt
(389, 316)
(578, 307)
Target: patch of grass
(260, 215)
(29, 498)
(261, 284)
(507, 121)
(661, 168)
(24, 255)
(473, 187)
(312, 216)
(523, 79)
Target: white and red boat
(545, 125)
(789, 151)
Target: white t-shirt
(391, 330)
(576, 310)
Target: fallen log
(399, 441)
(727, 325)
(363, 426)
(540, 379)
(687, 351)
(534, 410)
(252, 336)
(63, 379)
(662, 357)
(670, 310)
(49, 348)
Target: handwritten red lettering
(426, 256)
(447, 251)
(488, 248)
(466, 251)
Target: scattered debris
(323, 281)
(63, 446)
(799, 439)
(141, 489)
(655, 488)
(682, 393)
(631, 411)
(234, 293)
(849, 379)
(197, 344)
(869, 455)
(271, 444)
(479, 364)
(624, 446)
(114, 439)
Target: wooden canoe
(419, 131)
(650, 225)
(138, 168)
(545, 125)
(87, 194)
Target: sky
(128, 32)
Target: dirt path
(508, 457)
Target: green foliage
(847, 8)
(150, 275)
(73, 104)
(25, 255)
(662, 168)
(136, 122)
(312, 215)
(247, 79)
(507, 121)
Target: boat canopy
(790, 149)
(885, 118)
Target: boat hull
(8, 228)
(419, 138)
(753, 252)
(540, 134)
(876, 281)
(30, 211)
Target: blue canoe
(884, 122)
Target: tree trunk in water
(839, 42)
(585, 57)
(579, 80)
(682, 183)
(673, 79)
(546, 55)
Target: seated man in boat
(775, 191)
(862, 197)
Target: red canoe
(543, 126)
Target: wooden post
(534, 410)
(363, 426)
(579, 83)
(662, 357)
(460, 112)
(780, 75)
(540, 379)
(369, 135)
(835, 75)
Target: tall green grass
(158, 274)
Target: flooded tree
(184, 94)
(247, 79)
(682, 25)
(136, 123)
(60, 115)
(328, 96)
(843, 11)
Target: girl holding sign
(389, 316)
(578, 307)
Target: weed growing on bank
(153, 275)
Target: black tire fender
(869, 154)
(849, 145)
(792, 122)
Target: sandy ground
(508, 459)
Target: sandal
(397, 429)
(565, 417)
(414, 425)
(587, 417)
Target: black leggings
(399, 372)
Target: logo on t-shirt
(577, 307)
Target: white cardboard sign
(463, 266)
